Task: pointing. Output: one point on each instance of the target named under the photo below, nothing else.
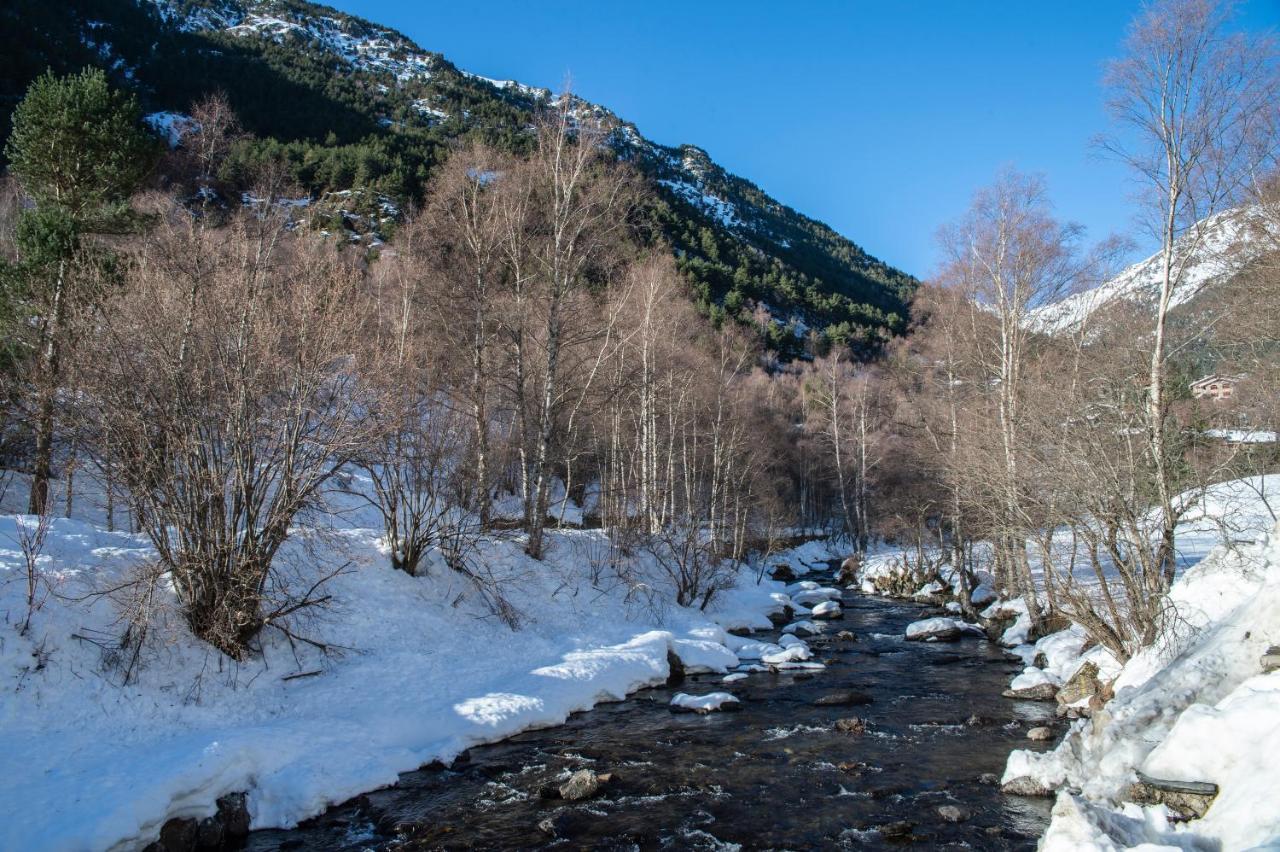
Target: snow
(172, 126)
(703, 703)
(815, 595)
(712, 205)
(422, 671)
(928, 628)
(1242, 436)
(1193, 707)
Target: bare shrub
(225, 397)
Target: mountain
(353, 107)
(1213, 252)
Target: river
(774, 775)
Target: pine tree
(79, 150)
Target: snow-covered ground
(1196, 707)
(420, 670)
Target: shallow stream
(774, 775)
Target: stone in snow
(809, 627)
(1271, 660)
(1039, 692)
(704, 703)
(1025, 785)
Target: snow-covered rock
(827, 609)
(704, 703)
(940, 629)
(794, 654)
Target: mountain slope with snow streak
(1217, 249)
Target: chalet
(1215, 387)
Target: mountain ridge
(349, 103)
(1211, 252)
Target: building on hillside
(1215, 387)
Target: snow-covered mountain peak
(1216, 249)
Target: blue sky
(877, 118)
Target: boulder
(848, 698)
(1024, 785)
(703, 704)
(582, 784)
(953, 813)
(1082, 685)
(1039, 692)
(852, 725)
(849, 570)
(939, 629)
(675, 669)
(1271, 660)
(227, 828)
(900, 830)
(1190, 799)
(1040, 734)
(846, 636)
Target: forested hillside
(344, 104)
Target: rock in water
(953, 813)
(1039, 692)
(844, 699)
(675, 669)
(1040, 733)
(852, 725)
(685, 703)
(1024, 785)
(582, 784)
(784, 574)
(896, 830)
(940, 629)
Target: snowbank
(420, 670)
(1193, 708)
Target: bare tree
(1196, 105)
(1008, 255)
